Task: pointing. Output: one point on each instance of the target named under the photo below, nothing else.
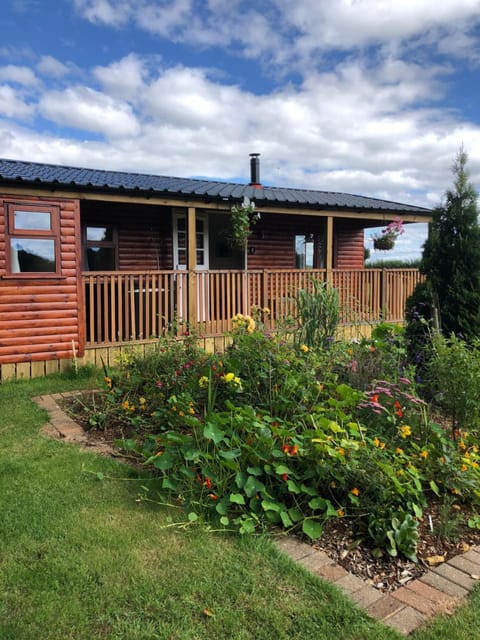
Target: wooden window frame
(109, 244)
(11, 232)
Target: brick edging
(440, 590)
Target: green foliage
(454, 379)
(382, 356)
(451, 256)
(274, 432)
(318, 313)
(244, 217)
(419, 311)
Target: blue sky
(372, 97)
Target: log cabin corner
(94, 260)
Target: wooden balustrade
(135, 306)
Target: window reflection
(32, 255)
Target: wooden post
(329, 256)
(191, 266)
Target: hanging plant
(386, 240)
(244, 217)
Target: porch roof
(16, 172)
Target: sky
(371, 97)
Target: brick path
(440, 590)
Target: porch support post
(191, 265)
(329, 255)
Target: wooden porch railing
(132, 306)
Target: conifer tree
(451, 257)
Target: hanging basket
(384, 243)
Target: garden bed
(442, 535)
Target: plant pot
(383, 243)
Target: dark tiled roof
(16, 171)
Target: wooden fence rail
(134, 306)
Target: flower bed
(274, 432)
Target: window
(101, 248)
(32, 239)
(309, 251)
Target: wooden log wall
(39, 316)
(348, 250)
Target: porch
(136, 306)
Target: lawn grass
(80, 558)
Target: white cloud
(50, 66)
(124, 78)
(84, 108)
(18, 75)
(12, 104)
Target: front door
(180, 255)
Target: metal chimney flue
(255, 170)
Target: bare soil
(441, 535)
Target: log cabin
(93, 260)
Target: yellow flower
(203, 382)
(340, 513)
(228, 377)
(191, 411)
(341, 451)
(266, 310)
(405, 431)
(424, 454)
(378, 443)
(355, 491)
(304, 348)
(463, 467)
(142, 400)
(398, 451)
(462, 445)
(108, 382)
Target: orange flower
(340, 513)
(212, 496)
(286, 448)
(293, 450)
(424, 454)
(398, 451)
(375, 398)
(355, 491)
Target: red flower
(293, 450)
(286, 448)
(285, 477)
(375, 399)
(207, 483)
(212, 496)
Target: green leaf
(312, 528)
(253, 486)
(222, 507)
(99, 475)
(212, 432)
(418, 511)
(293, 487)
(237, 498)
(295, 514)
(192, 516)
(286, 519)
(231, 454)
(268, 505)
(225, 521)
(168, 484)
(280, 469)
(310, 491)
(317, 503)
(254, 471)
(434, 488)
